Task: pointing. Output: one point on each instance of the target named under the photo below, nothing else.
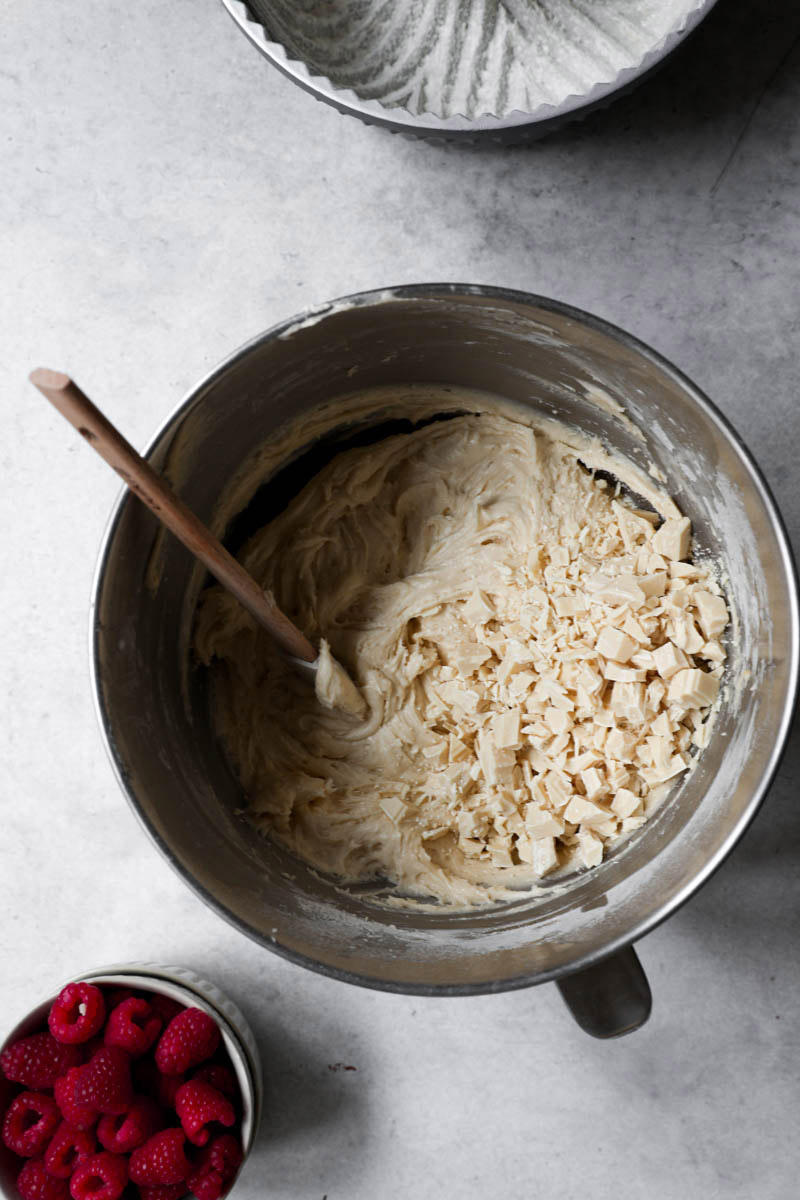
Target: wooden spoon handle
(140, 477)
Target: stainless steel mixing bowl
(154, 704)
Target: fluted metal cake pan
(334, 52)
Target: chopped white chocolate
(693, 688)
(620, 744)
(580, 810)
(467, 657)
(713, 651)
(634, 629)
(625, 802)
(590, 848)
(478, 607)
(668, 659)
(541, 822)
(393, 806)
(653, 585)
(545, 856)
(533, 653)
(505, 728)
(594, 782)
(673, 539)
(712, 613)
(557, 720)
(624, 674)
(614, 644)
(628, 701)
(685, 634)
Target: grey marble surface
(165, 196)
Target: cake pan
(440, 70)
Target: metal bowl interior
(154, 704)
(188, 989)
(357, 94)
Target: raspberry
(104, 1176)
(220, 1078)
(33, 1183)
(68, 1147)
(77, 1014)
(133, 1026)
(37, 1061)
(164, 1191)
(78, 1115)
(161, 1087)
(165, 1006)
(189, 1039)
(197, 1105)
(216, 1168)
(123, 1133)
(161, 1159)
(30, 1122)
(105, 1081)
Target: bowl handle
(610, 998)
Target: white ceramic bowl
(188, 989)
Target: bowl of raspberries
(135, 1082)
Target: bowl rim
(430, 292)
(458, 127)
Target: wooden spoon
(102, 436)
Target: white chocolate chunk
(693, 688)
(558, 788)
(686, 634)
(505, 728)
(545, 856)
(614, 644)
(661, 772)
(590, 848)
(620, 744)
(467, 657)
(628, 701)
(615, 673)
(713, 651)
(669, 659)
(634, 630)
(478, 607)
(581, 811)
(653, 585)
(431, 835)
(621, 589)
(557, 720)
(712, 614)
(594, 782)
(672, 540)
(625, 802)
(393, 806)
(539, 822)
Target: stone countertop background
(166, 195)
